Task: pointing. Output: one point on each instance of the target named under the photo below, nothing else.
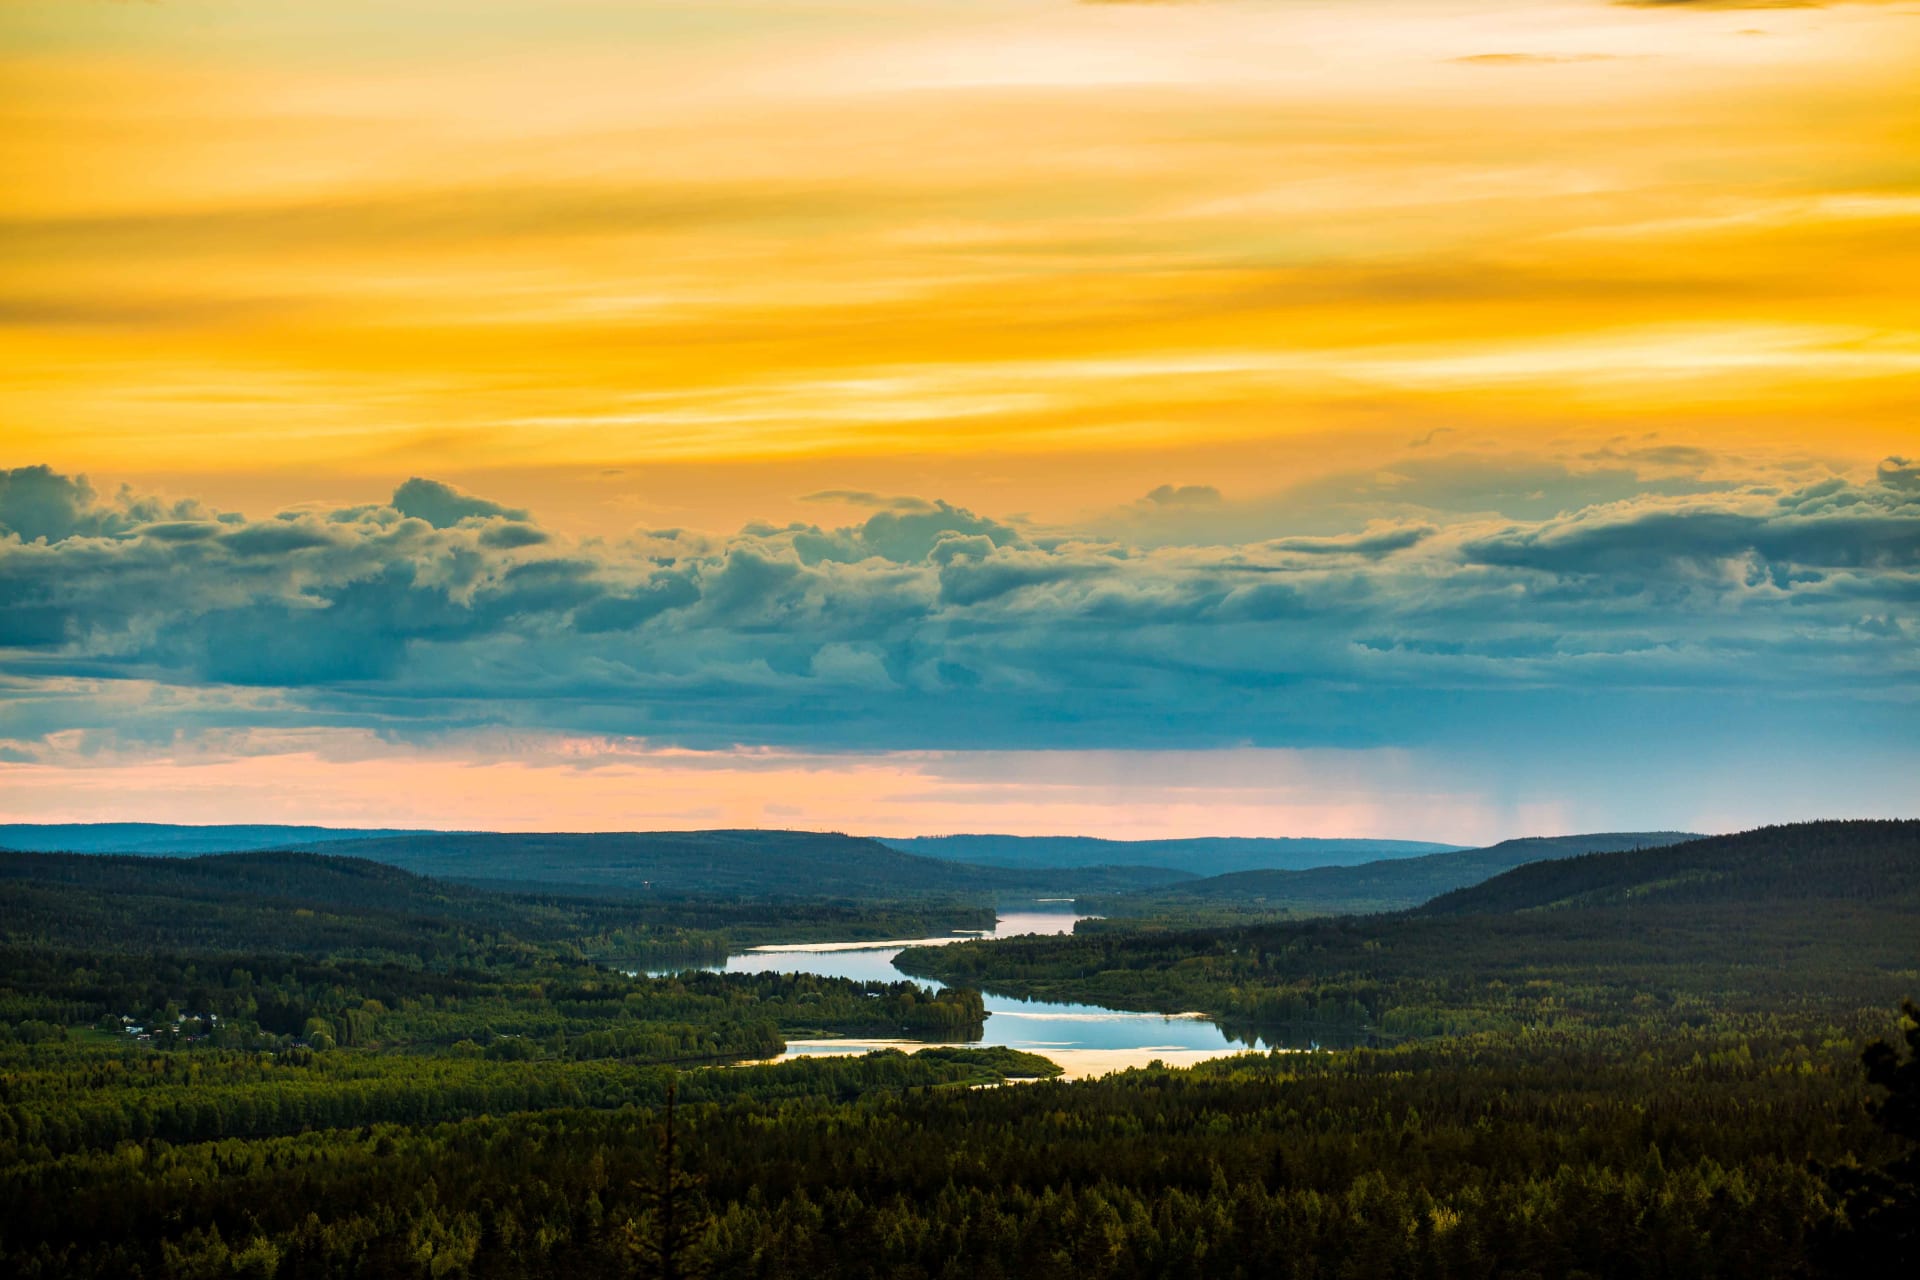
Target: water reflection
(1085, 1039)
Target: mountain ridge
(1398, 884)
(188, 839)
(758, 863)
(1877, 859)
(1196, 855)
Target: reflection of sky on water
(1037, 1025)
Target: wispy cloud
(867, 498)
(1532, 59)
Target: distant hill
(1818, 920)
(311, 878)
(1208, 856)
(1399, 883)
(1871, 861)
(1204, 856)
(167, 838)
(753, 863)
(316, 903)
(288, 901)
(801, 864)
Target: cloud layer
(929, 626)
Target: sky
(1435, 419)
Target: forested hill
(1393, 884)
(314, 904)
(168, 838)
(285, 901)
(800, 864)
(1874, 861)
(1204, 856)
(1820, 920)
(791, 864)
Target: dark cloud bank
(931, 626)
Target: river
(1084, 1039)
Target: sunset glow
(1421, 416)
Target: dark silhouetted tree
(665, 1240)
(1882, 1205)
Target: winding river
(1084, 1039)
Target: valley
(1672, 1032)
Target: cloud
(1721, 4)
(276, 539)
(1428, 488)
(1374, 542)
(1664, 455)
(506, 536)
(418, 218)
(443, 506)
(867, 498)
(630, 610)
(937, 627)
(1467, 482)
(985, 574)
(1902, 474)
(1531, 59)
(1184, 495)
(1866, 532)
(906, 533)
(36, 503)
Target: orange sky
(953, 247)
(1426, 266)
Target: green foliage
(338, 906)
(643, 865)
(1821, 921)
(1608, 1153)
(1382, 884)
(1653, 1074)
(1881, 1229)
(430, 1009)
(366, 1043)
(1859, 861)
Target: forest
(1819, 921)
(1363, 886)
(646, 864)
(327, 904)
(1690, 1061)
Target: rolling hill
(751, 863)
(796, 864)
(1205, 856)
(1870, 861)
(288, 900)
(168, 838)
(1390, 884)
(1817, 920)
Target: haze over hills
(171, 838)
(1202, 856)
(740, 862)
(754, 863)
(1398, 883)
(1321, 876)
